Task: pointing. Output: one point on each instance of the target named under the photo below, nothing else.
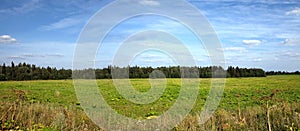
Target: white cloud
(295, 11)
(149, 56)
(239, 49)
(25, 8)
(149, 2)
(30, 55)
(200, 60)
(6, 39)
(15, 57)
(208, 55)
(288, 55)
(290, 42)
(56, 55)
(257, 59)
(63, 23)
(251, 42)
(292, 54)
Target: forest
(24, 71)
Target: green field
(244, 104)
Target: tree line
(282, 73)
(24, 71)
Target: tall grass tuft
(282, 116)
(34, 116)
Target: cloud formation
(63, 23)
(295, 11)
(257, 59)
(290, 42)
(15, 58)
(251, 42)
(149, 2)
(25, 8)
(7, 39)
(291, 54)
(239, 49)
(31, 55)
(56, 55)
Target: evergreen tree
(3, 70)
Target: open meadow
(265, 103)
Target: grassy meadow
(265, 103)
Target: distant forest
(24, 71)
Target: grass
(247, 104)
(37, 116)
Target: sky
(253, 34)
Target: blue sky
(262, 33)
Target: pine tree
(3, 71)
